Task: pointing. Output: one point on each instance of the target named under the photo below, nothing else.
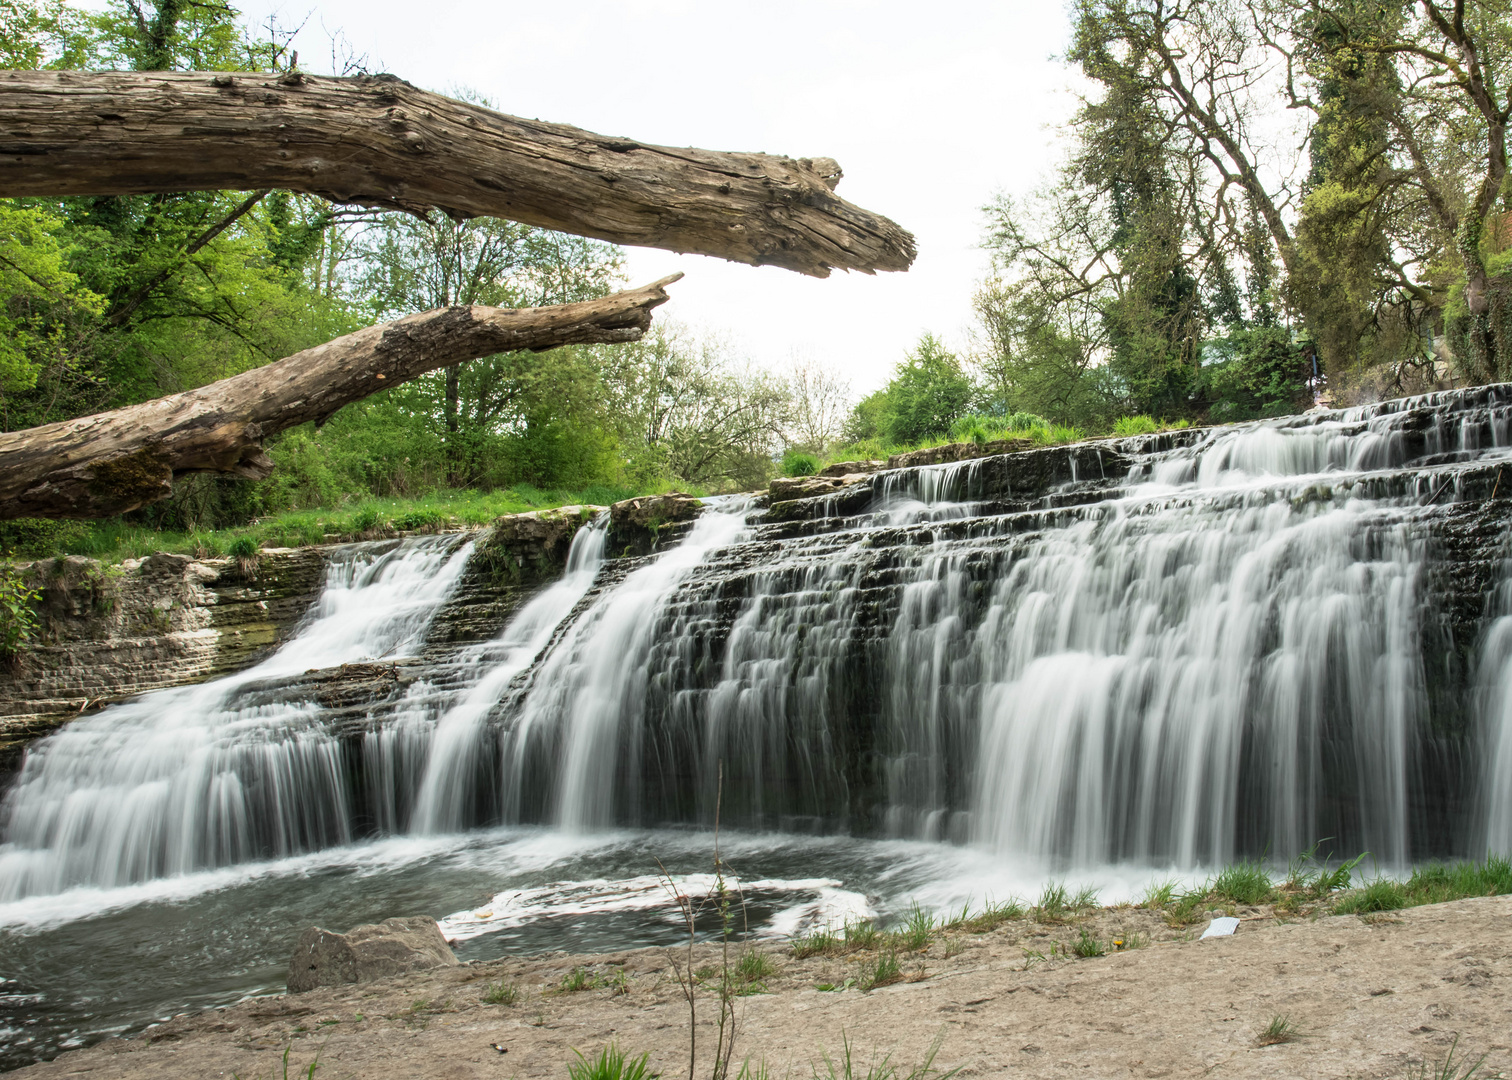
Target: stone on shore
(365, 953)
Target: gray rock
(651, 522)
(365, 953)
(806, 487)
(846, 468)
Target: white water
(185, 779)
(451, 766)
(1222, 656)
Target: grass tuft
(501, 993)
(917, 929)
(848, 1068)
(861, 934)
(1279, 1030)
(820, 942)
(1449, 1069)
(611, 1064)
(1381, 894)
(1243, 883)
(579, 978)
(883, 970)
(1087, 946)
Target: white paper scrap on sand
(1220, 927)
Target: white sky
(930, 109)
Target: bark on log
(95, 466)
(377, 141)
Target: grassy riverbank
(116, 539)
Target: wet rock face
(512, 558)
(651, 522)
(110, 632)
(364, 953)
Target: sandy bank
(1369, 998)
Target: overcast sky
(930, 108)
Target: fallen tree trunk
(377, 141)
(95, 466)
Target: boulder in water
(364, 953)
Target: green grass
(1158, 894)
(578, 979)
(1279, 1030)
(113, 540)
(751, 970)
(1381, 894)
(501, 993)
(1057, 904)
(1449, 1069)
(992, 915)
(820, 942)
(1086, 946)
(611, 1064)
(916, 930)
(847, 1067)
(861, 934)
(881, 971)
(1243, 883)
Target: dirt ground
(1371, 997)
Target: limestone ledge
(108, 633)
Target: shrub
(1135, 425)
(1025, 421)
(18, 619)
(420, 519)
(244, 550)
(799, 463)
(366, 519)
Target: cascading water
(1102, 661)
(187, 779)
(1175, 650)
(448, 786)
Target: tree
(410, 264)
(928, 392)
(821, 400)
(178, 268)
(689, 410)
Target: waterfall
(191, 778)
(448, 785)
(1177, 649)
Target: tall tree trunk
(453, 426)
